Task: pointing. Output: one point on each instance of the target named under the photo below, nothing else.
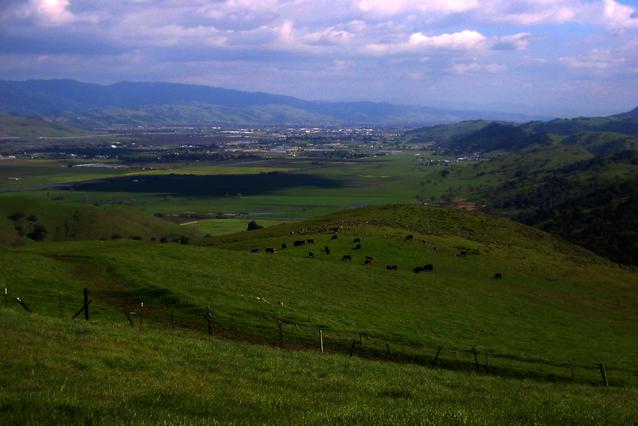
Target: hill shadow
(208, 185)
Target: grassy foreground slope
(557, 309)
(61, 372)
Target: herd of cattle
(369, 260)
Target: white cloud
(54, 12)
(468, 67)
(419, 43)
(620, 16)
(396, 7)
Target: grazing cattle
(498, 276)
(292, 232)
(426, 268)
(409, 237)
(271, 250)
(356, 240)
(310, 241)
(326, 249)
(392, 267)
(254, 250)
(357, 247)
(311, 254)
(284, 246)
(346, 258)
(334, 237)
(368, 262)
(299, 243)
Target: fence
(294, 335)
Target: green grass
(65, 372)
(557, 307)
(225, 226)
(20, 215)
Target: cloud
(466, 40)
(53, 12)
(620, 16)
(396, 7)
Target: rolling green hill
(34, 218)
(557, 305)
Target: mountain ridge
(73, 101)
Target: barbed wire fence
(294, 335)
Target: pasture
(62, 372)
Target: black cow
(299, 243)
(356, 240)
(346, 258)
(368, 262)
(334, 237)
(311, 254)
(392, 267)
(310, 241)
(498, 276)
(271, 250)
(426, 268)
(326, 249)
(409, 237)
(254, 250)
(284, 246)
(357, 247)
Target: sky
(561, 58)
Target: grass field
(557, 308)
(63, 372)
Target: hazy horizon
(552, 58)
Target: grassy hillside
(37, 218)
(557, 307)
(31, 127)
(62, 372)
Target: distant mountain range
(124, 104)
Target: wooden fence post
(23, 304)
(354, 342)
(6, 297)
(281, 333)
(321, 340)
(475, 358)
(603, 373)
(86, 303)
(387, 346)
(209, 320)
(128, 317)
(141, 314)
(438, 352)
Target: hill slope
(26, 218)
(15, 126)
(126, 103)
(556, 306)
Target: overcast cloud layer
(562, 57)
